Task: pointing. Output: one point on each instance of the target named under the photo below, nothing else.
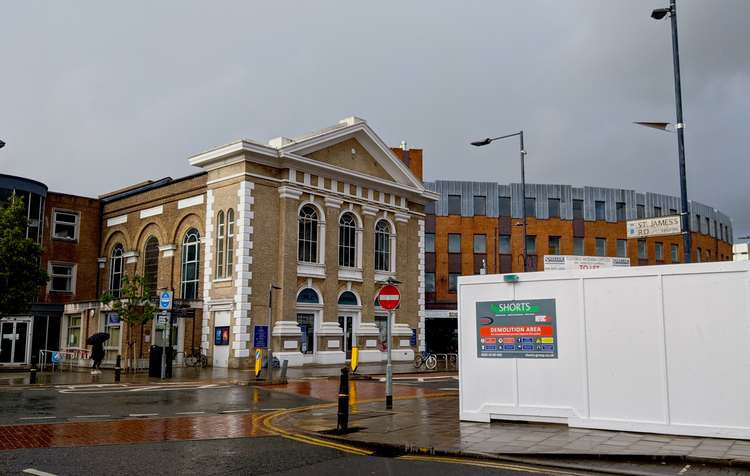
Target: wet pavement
(432, 423)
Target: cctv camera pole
(680, 137)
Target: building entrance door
(345, 322)
(15, 339)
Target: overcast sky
(98, 95)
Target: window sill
(222, 280)
(350, 274)
(311, 270)
(384, 275)
(67, 240)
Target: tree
(20, 273)
(133, 306)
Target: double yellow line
(489, 464)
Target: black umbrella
(97, 338)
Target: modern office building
(476, 227)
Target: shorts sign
(523, 329)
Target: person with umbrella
(96, 342)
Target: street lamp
(487, 141)
(659, 14)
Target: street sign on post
(165, 300)
(390, 298)
(658, 226)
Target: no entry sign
(389, 297)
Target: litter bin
(154, 361)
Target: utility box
(660, 349)
(154, 361)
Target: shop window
(112, 327)
(74, 331)
(65, 225)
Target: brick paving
(129, 431)
(433, 423)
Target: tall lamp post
(487, 141)
(659, 14)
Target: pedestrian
(97, 355)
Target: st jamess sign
(525, 329)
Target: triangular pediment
(351, 154)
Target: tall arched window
(115, 271)
(230, 243)
(347, 241)
(190, 264)
(220, 240)
(383, 246)
(151, 264)
(308, 234)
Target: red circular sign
(389, 297)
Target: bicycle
(196, 359)
(428, 359)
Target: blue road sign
(55, 357)
(413, 337)
(165, 300)
(260, 337)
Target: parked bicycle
(195, 359)
(426, 359)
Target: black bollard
(32, 370)
(118, 369)
(343, 420)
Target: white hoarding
(654, 227)
(563, 262)
(658, 349)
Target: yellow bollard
(258, 362)
(355, 358)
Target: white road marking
(37, 418)
(37, 472)
(142, 414)
(91, 416)
(189, 413)
(235, 411)
(271, 409)
(684, 470)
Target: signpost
(565, 262)
(658, 226)
(390, 298)
(165, 305)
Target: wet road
(262, 455)
(86, 402)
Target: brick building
(476, 226)
(67, 227)
(318, 221)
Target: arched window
(308, 234)
(230, 243)
(190, 264)
(220, 240)
(115, 271)
(308, 296)
(348, 298)
(347, 241)
(151, 264)
(383, 246)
